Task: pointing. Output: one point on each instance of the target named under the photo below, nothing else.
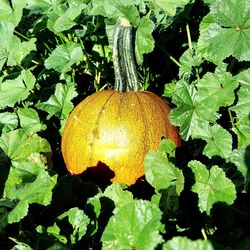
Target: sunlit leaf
(212, 186)
(64, 56)
(135, 225)
(8, 122)
(144, 42)
(30, 120)
(117, 193)
(15, 90)
(184, 243)
(60, 103)
(79, 222)
(219, 140)
(12, 50)
(228, 32)
(170, 6)
(12, 13)
(63, 16)
(161, 173)
(190, 112)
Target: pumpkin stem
(126, 78)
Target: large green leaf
(226, 31)
(190, 113)
(117, 193)
(170, 6)
(219, 140)
(43, 6)
(216, 90)
(212, 186)
(63, 16)
(183, 243)
(60, 104)
(8, 122)
(135, 225)
(29, 119)
(12, 13)
(242, 110)
(15, 90)
(241, 159)
(64, 56)
(28, 180)
(12, 50)
(161, 173)
(144, 41)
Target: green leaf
(212, 186)
(12, 50)
(59, 104)
(135, 225)
(63, 16)
(228, 32)
(12, 13)
(79, 222)
(242, 126)
(29, 119)
(117, 193)
(144, 41)
(191, 59)
(8, 122)
(64, 56)
(240, 157)
(189, 112)
(19, 245)
(28, 181)
(114, 9)
(20, 145)
(56, 232)
(216, 90)
(161, 173)
(16, 90)
(170, 6)
(43, 6)
(183, 243)
(18, 212)
(219, 140)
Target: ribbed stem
(126, 78)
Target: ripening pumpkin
(117, 127)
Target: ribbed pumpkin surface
(116, 129)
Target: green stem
(126, 78)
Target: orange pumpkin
(117, 127)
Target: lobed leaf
(184, 243)
(29, 119)
(12, 13)
(190, 113)
(226, 31)
(16, 90)
(135, 225)
(160, 172)
(144, 41)
(170, 6)
(12, 50)
(212, 186)
(64, 56)
(8, 122)
(60, 103)
(219, 140)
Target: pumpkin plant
(116, 128)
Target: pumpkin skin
(116, 129)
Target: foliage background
(193, 53)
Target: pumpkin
(116, 128)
